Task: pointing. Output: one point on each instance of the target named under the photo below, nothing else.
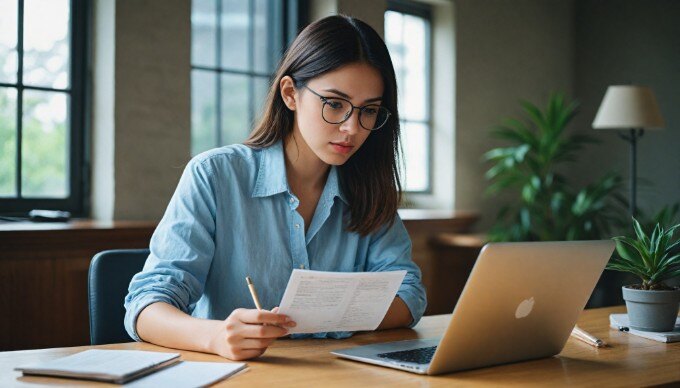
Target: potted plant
(652, 305)
(545, 205)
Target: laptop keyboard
(416, 356)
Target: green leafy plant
(653, 259)
(547, 206)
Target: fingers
(262, 316)
(275, 310)
(261, 331)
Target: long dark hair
(370, 178)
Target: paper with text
(339, 301)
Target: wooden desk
(630, 361)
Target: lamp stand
(634, 134)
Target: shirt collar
(271, 175)
(332, 188)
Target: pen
(253, 293)
(586, 337)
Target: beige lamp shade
(628, 106)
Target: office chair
(108, 281)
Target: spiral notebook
(621, 322)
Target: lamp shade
(628, 106)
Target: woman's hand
(246, 333)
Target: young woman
(316, 186)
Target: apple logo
(524, 308)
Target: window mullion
(20, 95)
(218, 89)
(428, 110)
(271, 34)
(251, 59)
(40, 88)
(230, 71)
(79, 160)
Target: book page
(339, 301)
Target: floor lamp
(632, 108)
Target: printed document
(339, 301)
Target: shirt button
(297, 226)
(302, 266)
(292, 199)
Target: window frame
(284, 32)
(423, 11)
(78, 118)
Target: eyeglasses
(337, 110)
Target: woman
(315, 186)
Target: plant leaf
(640, 233)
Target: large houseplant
(545, 205)
(652, 305)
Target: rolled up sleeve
(390, 250)
(182, 248)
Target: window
(42, 74)
(236, 45)
(407, 35)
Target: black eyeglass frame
(325, 101)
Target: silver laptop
(520, 302)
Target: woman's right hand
(246, 333)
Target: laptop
(520, 303)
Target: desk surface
(629, 360)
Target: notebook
(621, 322)
(115, 366)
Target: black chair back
(108, 281)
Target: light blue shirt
(233, 215)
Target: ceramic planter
(652, 310)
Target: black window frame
(284, 32)
(422, 11)
(78, 118)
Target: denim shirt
(233, 215)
